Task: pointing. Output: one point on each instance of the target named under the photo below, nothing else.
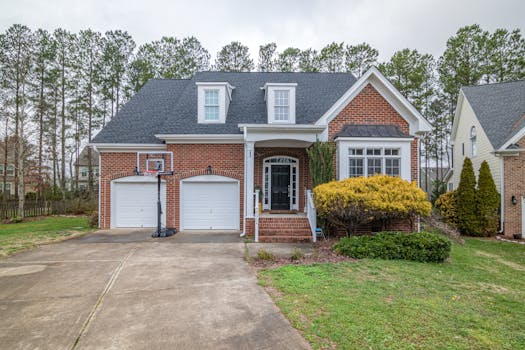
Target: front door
(280, 187)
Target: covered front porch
(277, 174)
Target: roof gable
(374, 77)
(499, 108)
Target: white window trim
(267, 164)
(225, 96)
(218, 105)
(10, 166)
(270, 89)
(404, 146)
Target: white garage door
(210, 205)
(134, 204)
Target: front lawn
(24, 235)
(474, 301)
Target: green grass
(25, 235)
(474, 301)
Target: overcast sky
(386, 25)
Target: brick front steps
(285, 229)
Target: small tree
(487, 202)
(356, 201)
(466, 200)
(321, 162)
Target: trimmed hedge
(420, 246)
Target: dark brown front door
(280, 187)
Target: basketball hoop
(150, 173)
(156, 164)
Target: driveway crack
(97, 305)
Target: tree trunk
(63, 134)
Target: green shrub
(297, 254)
(487, 202)
(467, 214)
(263, 254)
(421, 246)
(447, 205)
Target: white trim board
(200, 138)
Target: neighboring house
(8, 168)
(82, 164)
(490, 126)
(233, 133)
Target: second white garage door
(210, 202)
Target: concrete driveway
(125, 290)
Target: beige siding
(467, 119)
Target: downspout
(243, 233)
(502, 194)
(418, 179)
(99, 182)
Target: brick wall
(514, 172)
(369, 107)
(188, 160)
(299, 153)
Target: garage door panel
(135, 204)
(210, 205)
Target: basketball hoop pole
(154, 165)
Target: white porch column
(249, 164)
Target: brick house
(231, 135)
(489, 125)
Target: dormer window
(211, 105)
(282, 105)
(280, 102)
(213, 101)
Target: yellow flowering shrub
(447, 207)
(360, 200)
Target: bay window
(378, 160)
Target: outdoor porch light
(514, 200)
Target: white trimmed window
(1, 169)
(473, 141)
(213, 99)
(10, 170)
(280, 102)
(211, 104)
(84, 172)
(282, 105)
(374, 160)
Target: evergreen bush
(468, 223)
(351, 202)
(420, 246)
(447, 205)
(487, 202)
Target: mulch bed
(322, 253)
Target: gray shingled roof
(500, 109)
(356, 130)
(170, 106)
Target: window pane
(392, 166)
(373, 151)
(374, 166)
(355, 151)
(281, 113)
(391, 152)
(211, 113)
(281, 97)
(355, 167)
(211, 97)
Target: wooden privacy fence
(9, 209)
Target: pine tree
(359, 58)
(266, 57)
(234, 57)
(288, 60)
(487, 201)
(468, 222)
